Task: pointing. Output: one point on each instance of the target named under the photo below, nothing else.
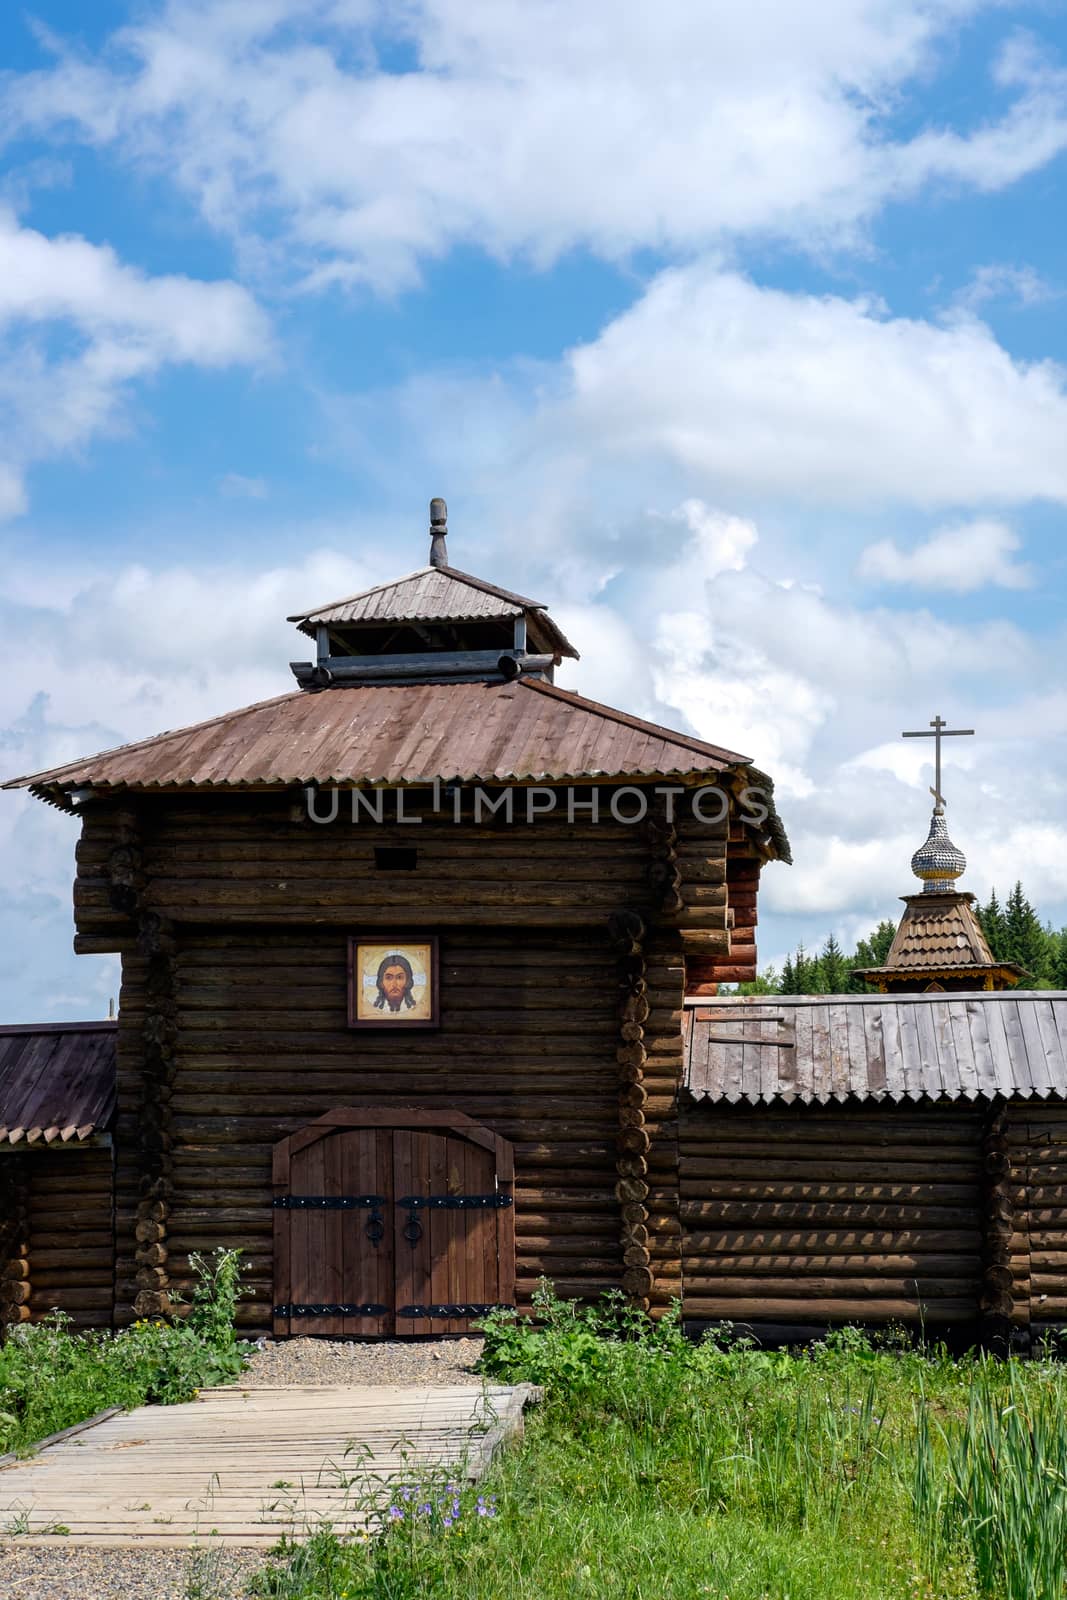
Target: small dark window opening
(395, 857)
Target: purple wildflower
(396, 1514)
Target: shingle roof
(434, 594)
(400, 734)
(872, 1047)
(940, 933)
(57, 1081)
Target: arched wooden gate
(391, 1222)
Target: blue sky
(739, 338)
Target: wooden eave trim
(93, 1141)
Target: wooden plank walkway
(243, 1466)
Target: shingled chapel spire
(940, 943)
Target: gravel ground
(285, 1361)
(27, 1573)
(51, 1574)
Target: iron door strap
(456, 1202)
(451, 1310)
(370, 1309)
(328, 1202)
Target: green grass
(657, 1470)
(51, 1378)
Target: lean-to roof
(57, 1081)
(817, 1048)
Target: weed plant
(659, 1469)
(51, 1378)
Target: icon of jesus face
(395, 981)
(393, 984)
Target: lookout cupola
(436, 625)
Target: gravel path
(50, 1574)
(27, 1573)
(300, 1361)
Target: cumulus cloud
(961, 559)
(819, 398)
(507, 124)
(78, 327)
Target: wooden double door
(391, 1223)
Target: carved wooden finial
(438, 530)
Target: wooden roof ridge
(688, 741)
(56, 774)
(468, 578)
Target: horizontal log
(938, 1267)
(760, 1211)
(728, 972)
(72, 1299)
(826, 1309)
(829, 1241)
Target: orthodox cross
(941, 730)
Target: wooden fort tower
(404, 961)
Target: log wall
(526, 1046)
(800, 1216)
(1037, 1139)
(58, 1238)
(14, 1240)
(254, 859)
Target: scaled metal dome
(938, 862)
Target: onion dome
(938, 862)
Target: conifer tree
(806, 970)
(871, 952)
(1026, 941)
(831, 969)
(1058, 963)
(994, 927)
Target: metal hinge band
(369, 1310)
(451, 1310)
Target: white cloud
(78, 328)
(960, 559)
(998, 281)
(719, 543)
(817, 398)
(509, 123)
